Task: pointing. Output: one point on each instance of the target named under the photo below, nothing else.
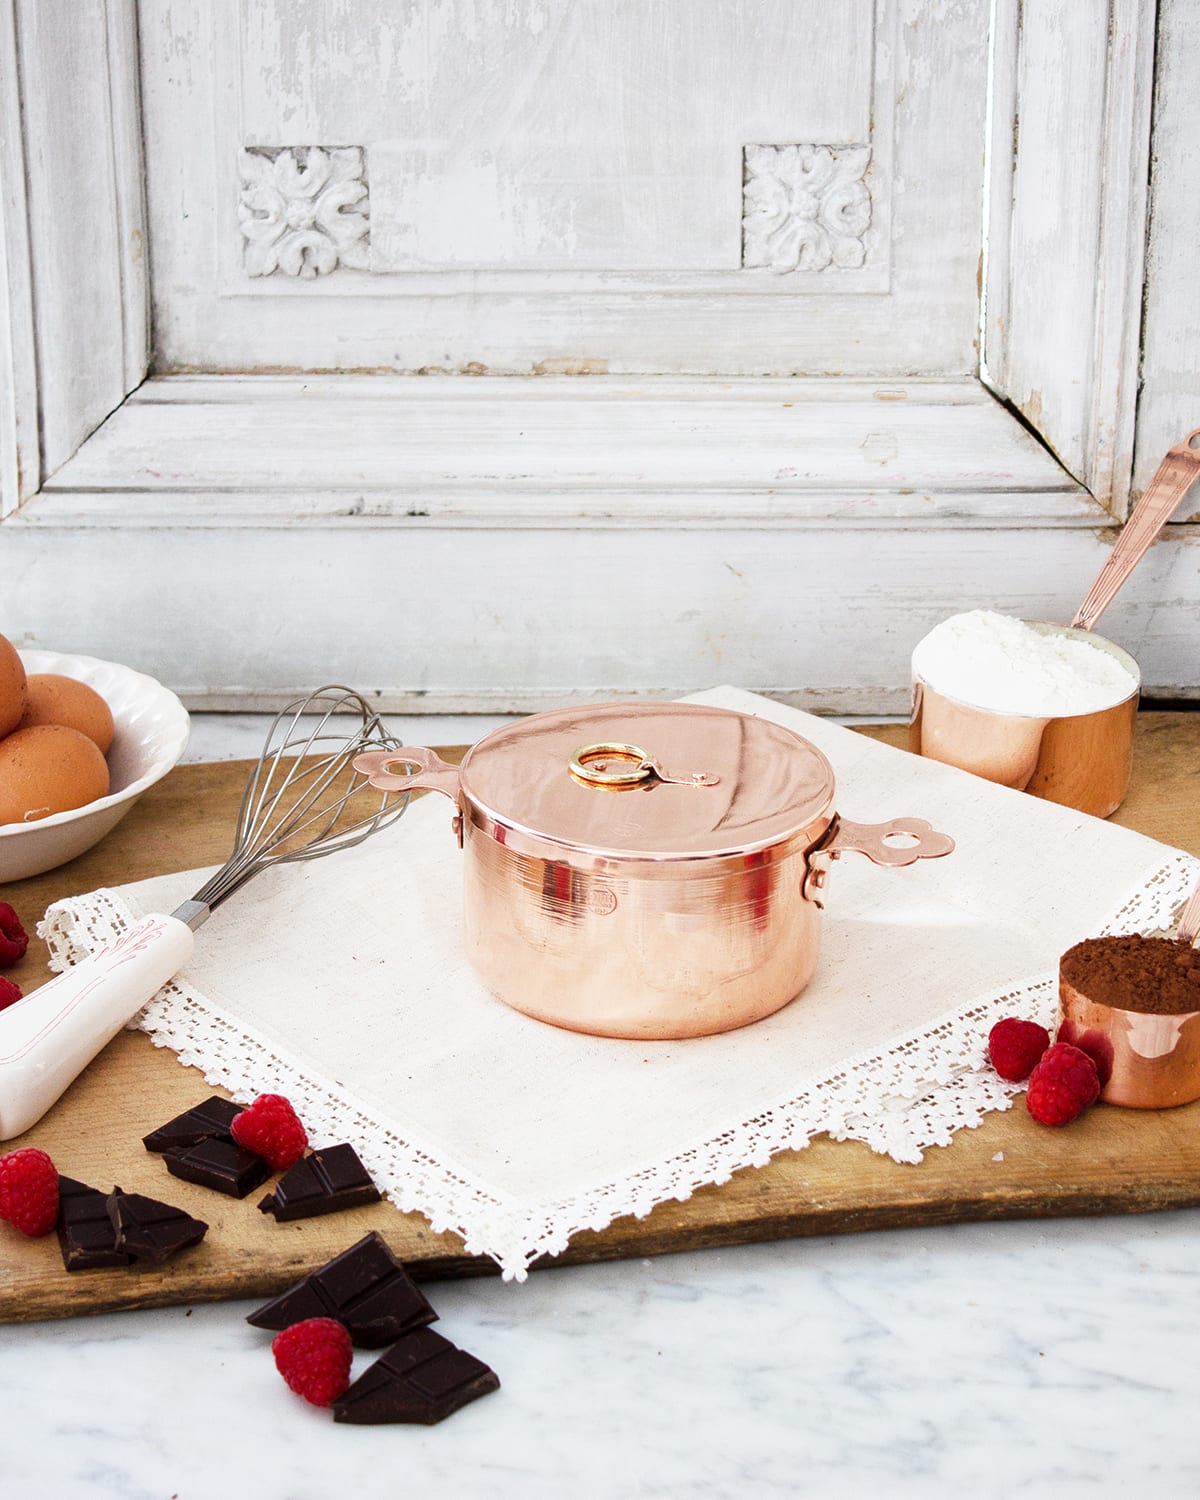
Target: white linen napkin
(342, 984)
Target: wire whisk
(304, 799)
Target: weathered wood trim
(435, 617)
(1070, 137)
(546, 452)
(129, 185)
(1169, 405)
(78, 70)
(19, 466)
(500, 592)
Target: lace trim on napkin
(899, 1103)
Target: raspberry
(1015, 1047)
(29, 1191)
(314, 1358)
(271, 1129)
(1062, 1085)
(13, 941)
(10, 993)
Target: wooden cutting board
(1110, 1161)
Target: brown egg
(51, 699)
(12, 687)
(46, 769)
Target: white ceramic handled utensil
(50, 1036)
(303, 799)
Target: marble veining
(1040, 1358)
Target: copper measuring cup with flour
(1081, 759)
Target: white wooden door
(298, 292)
(649, 186)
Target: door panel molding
(505, 451)
(1072, 91)
(77, 74)
(20, 466)
(802, 553)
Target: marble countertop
(1045, 1358)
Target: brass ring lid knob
(610, 763)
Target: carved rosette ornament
(303, 210)
(805, 208)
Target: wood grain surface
(1112, 1160)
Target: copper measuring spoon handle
(1189, 923)
(1170, 484)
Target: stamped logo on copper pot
(601, 900)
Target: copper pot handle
(432, 774)
(900, 841)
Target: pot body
(648, 871)
(626, 948)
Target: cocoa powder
(1156, 976)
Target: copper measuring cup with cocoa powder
(1133, 1004)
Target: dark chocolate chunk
(150, 1230)
(423, 1378)
(219, 1164)
(330, 1179)
(365, 1288)
(212, 1117)
(85, 1232)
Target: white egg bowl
(151, 734)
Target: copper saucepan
(646, 870)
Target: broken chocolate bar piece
(423, 1378)
(219, 1164)
(150, 1230)
(85, 1232)
(211, 1117)
(331, 1179)
(365, 1288)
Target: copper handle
(1170, 484)
(1189, 922)
(611, 763)
(902, 841)
(432, 774)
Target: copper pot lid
(651, 779)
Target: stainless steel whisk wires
(296, 804)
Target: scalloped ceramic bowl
(152, 729)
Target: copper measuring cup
(1079, 760)
(1155, 1059)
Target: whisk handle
(50, 1036)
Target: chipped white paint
(504, 452)
(1070, 136)
(530, 219)
(303, 210)
(490, 544)
(440, 616)
(805, 207)
(19, 462)
(1169, 404)
(83, 200)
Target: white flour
(993, 661)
